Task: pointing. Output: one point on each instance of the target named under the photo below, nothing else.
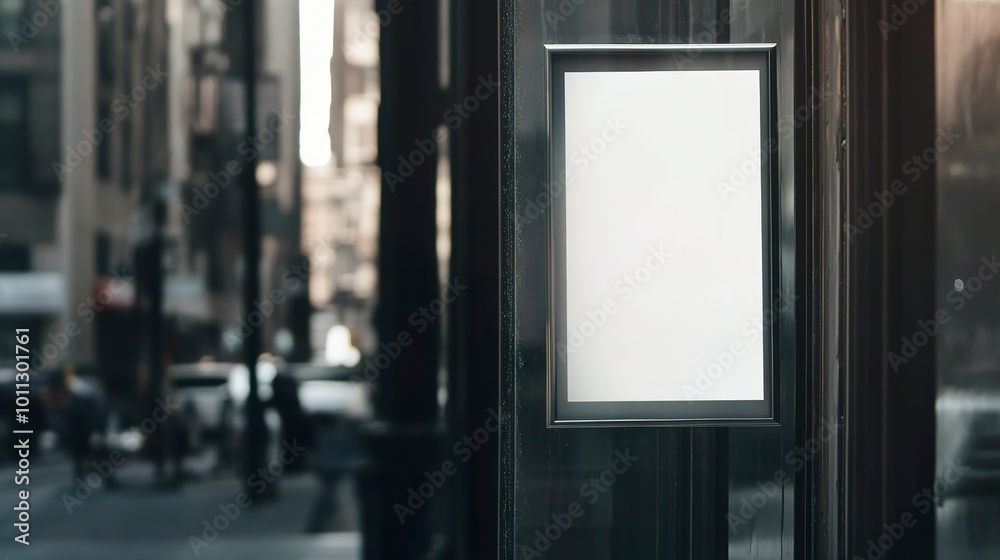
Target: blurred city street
(199, 281)
(138, 520)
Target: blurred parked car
(204, 389)
(331, 391)
(968, 429)
(216, 392)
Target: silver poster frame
(680, 58)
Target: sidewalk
(331, 546)
(139, 521)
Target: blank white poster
(663, 236)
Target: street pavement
(138, 520)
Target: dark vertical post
(404, 442)
(474, 319)
(299, 307)
(409, 114)
(255, 433)
(910, 416)
(154, 268)
(154, 183)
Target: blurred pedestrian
(335, 455)
(79, 414)
(295, 424)
(181, 428)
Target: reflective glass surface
(967, 486)
(638, 493)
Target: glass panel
(637, 493)
(968, 348)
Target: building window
(102, 253)
(11, 12)
(13, 133)
(15, 257)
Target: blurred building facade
(340, 213)
(219, 146)
(31, 286)
(122, 143)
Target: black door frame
(868, 282)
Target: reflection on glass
(967, 492)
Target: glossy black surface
(689, 492)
